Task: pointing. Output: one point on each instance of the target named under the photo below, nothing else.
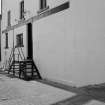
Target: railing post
(32, 70)
(20, 70)
(13, 65)
(18, 57)
(25, 72)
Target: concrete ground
(88, 95)
(14, 91)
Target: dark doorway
(30, 41)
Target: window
(6, 40)
(9, 18)
(42, 4)
(19, 39)
(22, 10)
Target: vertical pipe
(0, 37)
(13, 54)
(13, 46)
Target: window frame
(19, 40)
(9, 18)
(22, 9)
(43, 6)
(6, 41)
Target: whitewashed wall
(70, 45)
(5, 53)
(21, 30)
(14, 7)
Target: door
(30, 41)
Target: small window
(42, 4)
(6, 40)
(9, 18)
(22, 10)
(19, 40)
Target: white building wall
(68, 46)
(31, 8)
(14, 7)
(6, 51)
(21, 30)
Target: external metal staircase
(21, 67)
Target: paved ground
(14, 91)
(89, 95)
(18, 92)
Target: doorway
(30, 41)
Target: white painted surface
(14, 7)
(70, 45)
(22, 30)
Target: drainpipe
(13, 54)
(13, 46)
(0, 37)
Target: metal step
(26, 67)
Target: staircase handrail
(11, 56)
(21, 54)
(10, 59)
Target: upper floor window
(43, 4)
(22, 9)
(6, 40)
(9, 18)
(19, 40)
